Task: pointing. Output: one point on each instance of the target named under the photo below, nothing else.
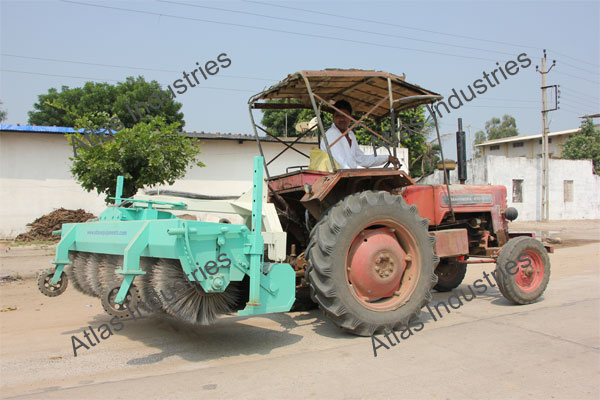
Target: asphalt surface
(485, 349)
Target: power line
(499, 106)
(388, 24)
(87, 63)
(60, 76)
(578, 104)
(576, 59)
(583, 103)
(112, 80)
(578, 77)
(572, 109)
(278, 30)
(570, 97)
(411, 28)
(512, 100)
(578, 93)
(335, 26)
(579, 68)
(120, 66)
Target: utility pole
(545, 173)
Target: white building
(574, 188)
(35, 175)
(529, 146)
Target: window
(568, 191)
(518, 144)
(517, 191)
(495, 147)
(549, 140)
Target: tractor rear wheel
(450, 274)
(523, 270)
(371, 262)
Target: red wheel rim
(530, 274)
(383, 271)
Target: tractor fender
(329, 189)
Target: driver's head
(340, 120)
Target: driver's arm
(367, 160)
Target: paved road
(485, 349)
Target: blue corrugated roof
(30, 128)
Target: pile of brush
(42, 228)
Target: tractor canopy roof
(364, 89)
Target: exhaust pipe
(461, 153)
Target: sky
(438, 45)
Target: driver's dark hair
(343, 105)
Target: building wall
(496, 170)
(531, 148)
(35, 177)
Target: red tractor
(370, 243)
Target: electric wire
(582, 103)
(122, 66)
(578, 93)
(414, 28)
(335, 26)
(113, 80)
(578, 77)
(387, 23)
(280, 31)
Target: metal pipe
(490, 261)
(260, 149)
(461, 153)
(319, 122)
(392, 118)
(446, 176)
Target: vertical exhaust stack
(461, 153)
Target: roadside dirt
(42, 228)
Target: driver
(346, 151)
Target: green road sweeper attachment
(145, 256)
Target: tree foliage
(148, 154)
(3, 113)
(584, 145)
(103, 97)
(496, 128)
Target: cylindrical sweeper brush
(78, 261)
(191, 303)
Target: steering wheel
(396, 163)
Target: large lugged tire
(371, 262)
(523, 270)
(450, 274)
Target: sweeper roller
(138, 254)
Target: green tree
(584, 145)
(3, 113)
(104, 97)
(496, 128)
(148, 154)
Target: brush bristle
(107, 275)
(78, 263)
(92, 274)
(192, 305)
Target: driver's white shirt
(349, 157)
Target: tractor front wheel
(523, 270)
(371, 262)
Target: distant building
(529, 146)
